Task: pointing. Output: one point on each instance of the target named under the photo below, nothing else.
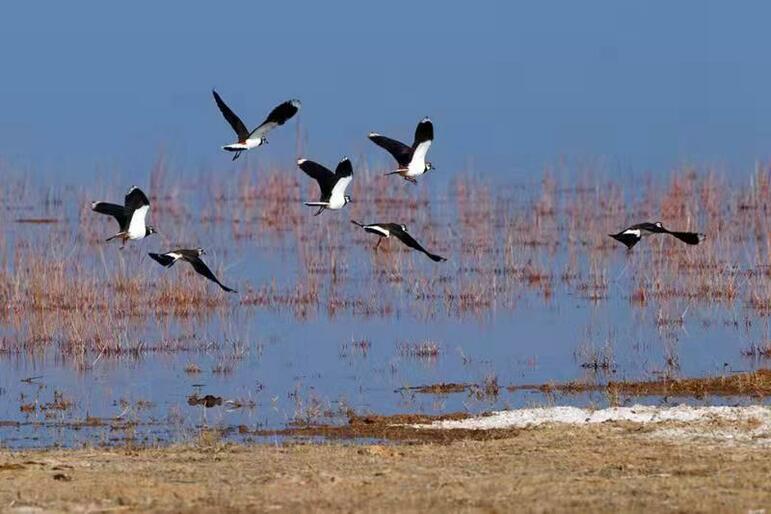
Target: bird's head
(659, 224)
(347, 198)
(429, 166)
(151, 230)
(404, 227)
(200, 251)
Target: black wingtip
(436, 258)
(163, 260)
(691, 238)
(622, 240)
(357, 223)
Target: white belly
(416, 167)
(336, 202)
(253, 143)
(239, 147)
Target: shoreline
(702, 463)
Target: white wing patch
(378, 229)
(418, 163)
(633, 232)
(337, 198)
(136, 228)
(262, 130)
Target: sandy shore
(715, 463)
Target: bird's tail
(691, 238)
(320, 205)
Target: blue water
(306, 363)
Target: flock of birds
(411, 163)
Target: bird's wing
(201, 268)
(135, 199)
(163, 259)
(238, 126)
(116, 211)
(340, 186)
(343, 177)
(424, 132)
(321, 174)
(629, 239)
(410, 241)
(137, 222)
(344, 168)
(424, 135)
(277, 117)
(691, 238)
(401, 152)
(380, 230)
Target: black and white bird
(632, 235)
(130, 216)
(332, 185)
(411, 159)
(194, 258)
(386, 230)
(248, 140)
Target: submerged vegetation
(542, 245)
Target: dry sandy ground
(599, 467)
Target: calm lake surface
(100, 345)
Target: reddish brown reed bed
(505, 245)
(751, 384)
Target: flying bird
(332, 185)
(411, 159)
(632, 235)
(130, 216)
(386, 230)
(248, 140)
(194, 258)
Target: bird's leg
(379, 240)
(321, 209)
(236, 156)
(410, 179)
